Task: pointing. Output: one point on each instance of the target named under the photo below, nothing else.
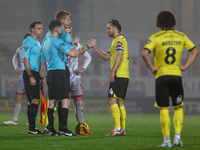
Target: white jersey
(16, 58)
(72, 63)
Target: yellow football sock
(116, 114)
(178, 120)
(122, 116)
(165, 122)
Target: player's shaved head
(166, 19)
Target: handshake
(91, 43)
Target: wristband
(88, 47)
(75, 44)
(30, 76)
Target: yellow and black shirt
(120, 43)
(168, 47)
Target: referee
(54, 52)
(168, 45)
(31, 73)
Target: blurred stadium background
(89, 20)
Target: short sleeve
(60, 45)
(150, 45)
(26, 48)
(189, 45)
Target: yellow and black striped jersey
(120, 43)
(168, 46)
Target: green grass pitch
(143, 133)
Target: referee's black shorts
(58, 86)
(118, 88)
(169, 86)
(32, 91)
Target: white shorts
(76, 88)
(20, 88)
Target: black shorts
(32, 91)
(58, 86)
(169, 86)
(118, 88)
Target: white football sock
(17, 108)
(117, 128)
(79, 111)
(177, 135)
(166, 139)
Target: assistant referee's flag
(43, 106)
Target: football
(82, 129)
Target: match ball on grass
(82, 129)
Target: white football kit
(15, 62)
(75, 80)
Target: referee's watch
(88, 47)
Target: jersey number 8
(170, 58)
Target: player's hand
(32, 81)
(112, 75)
(182, 68)
(154, 70)
(78, 71)
(76, 40)
(92, 43)
(18, 70)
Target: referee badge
(25, 48)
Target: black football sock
(50, 117)
(33, 114)
(28, 113)
(59, 110)
(64, 119)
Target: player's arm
(116, 64)
(81, 50)
(102, 54)
(87, 61)
(44, 68)
(192, 57)
(15, 63)
(73, 50)
(91, 43)
(145, 56)
(28, 70)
